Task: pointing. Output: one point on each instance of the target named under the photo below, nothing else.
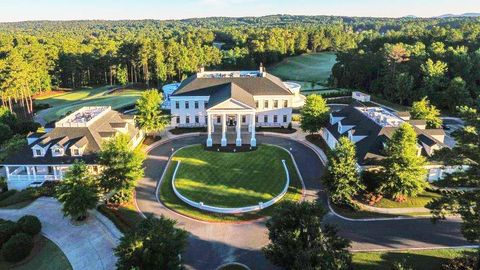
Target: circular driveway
(213, 244)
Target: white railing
(25, 177)
(223, 210)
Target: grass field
(420, 201)
(416, 259)
(315, 67)
(231, 179)
(70, 101)
(47, 256)
(170, 200)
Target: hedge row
(16, 239)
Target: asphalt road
(212, 244)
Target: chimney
(262, 70)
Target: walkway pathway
(212, 244)
(87, 246)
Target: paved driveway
(213, 244)
(87, 246)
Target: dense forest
(401, 59)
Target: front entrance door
(231, 121)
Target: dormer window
(57, 151)
(38, 152)
(75, 152)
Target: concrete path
(87, 246)
(213, 244)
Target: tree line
(404, 65)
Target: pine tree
(404, 169)
(342, 178)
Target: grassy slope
(307, 67)
(231, 179)
(419, 201)
(48, 257)
(167, 197)
(71, 101)
(417, 259)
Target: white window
(265, 118)
(284, 118)
(285, 103)
(219, 119)
(197, 119)
(275, 118)
(187, 119)
(75, 152)
(177, 105)
(38, 152)
(256, 118)
(196, 104)
(265, 104)
(275, 104)
(244, 119)
(256, 104)
(187, 104)
(177, 119)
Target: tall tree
(423, 110)
(314, 114)
(78, 191)
(154, 244)
(121, 165)
(465, 203)
(404, 169)
(342, 178)
(299, 240)
(150, 118)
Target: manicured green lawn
(48, 257)
(71, 101)
(168, 198)
(419, 201)
(231, 179)
(315, 67)
(416, 259)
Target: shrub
(7, 194)
(29, 225)
(461, 263)
(18, 197)
(24, 127)
(7, 229)
(17, 248)
(122, 196)
(3, 184)
(290, 126)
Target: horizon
(109, 10)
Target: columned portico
(238, 120)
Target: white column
(27, 168)
(250, 124)
(224, 130)
(238, 142)
(253, 141)
(212, 121)
(34, 171)
(209, 129)
(55, 172)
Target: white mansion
(78, 136)
(238, 100)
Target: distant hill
(459, 15)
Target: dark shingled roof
(230, 91)
(198, 86)
(370, 149)
(91, 137)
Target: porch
(22, 176)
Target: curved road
(212, 244)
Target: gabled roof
(91, 137)
(228, 91)
(371, 148)
(202, 86)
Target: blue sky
(20, 10)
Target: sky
(23, 10)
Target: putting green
(315, 67)
(231, 179)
